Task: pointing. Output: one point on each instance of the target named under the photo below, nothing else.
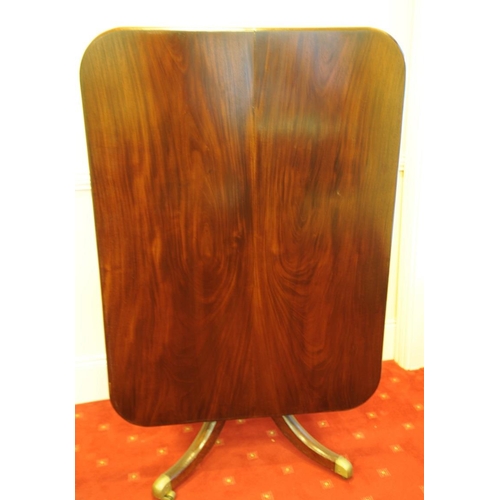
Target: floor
(383, 438)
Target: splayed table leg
(163, 487)
(302, 440)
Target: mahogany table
(243, 186)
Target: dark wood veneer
(243, 186)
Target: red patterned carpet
(252, 460)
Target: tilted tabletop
(243, 185)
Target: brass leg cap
(343, 467)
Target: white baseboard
(91, 379)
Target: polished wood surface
(243, 186)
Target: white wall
(393, 16)
(91, 375)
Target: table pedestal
(163, 487)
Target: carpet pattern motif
(383, 438)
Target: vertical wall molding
(409, 337)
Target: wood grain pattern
(243, 187)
